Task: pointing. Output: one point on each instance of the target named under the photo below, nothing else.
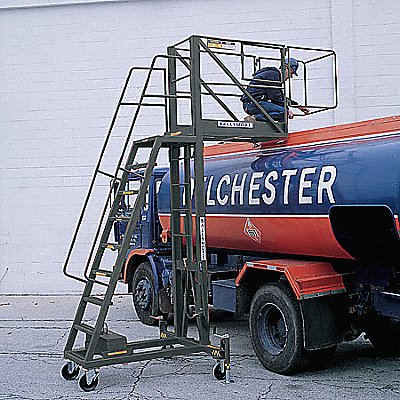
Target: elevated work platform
(187, 78)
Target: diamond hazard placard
(252, 231)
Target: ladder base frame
(152, 349)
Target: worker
(270, 99)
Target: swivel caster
(89, 380)
(218, 373)
(70, 371)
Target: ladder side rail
(188, 226)
(165, 85)
(136, 114)
(151, 69)
(201, 284)
(113, 212)
(81, 308)
(172, 101)
(85, 273)
(139, 201)
(286, 100)
(178, 274)
(200, 275)
(140, 103)
(91, 186)
(211, 92)
(180, 317)
(243, 89)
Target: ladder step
(181, 184)
(128, 192)
(138, 166)
(102, 272)
(112, 246)
(94, 300)
(84, 328)
(119, 218)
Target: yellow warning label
(220, 44)
(116, 353)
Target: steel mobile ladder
(185, 144)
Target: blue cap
(293, 63)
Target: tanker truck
(302, 237)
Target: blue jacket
(274, 95)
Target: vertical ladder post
(177, 254)
(173, 103)
(201, 290)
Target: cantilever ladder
(188, 220)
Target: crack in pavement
(263, 395)
(358, 386)
(136, 382)
(32, 327)
(62, 337)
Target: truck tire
(384, 336)
(145, 299)
(276, 329)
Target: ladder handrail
(91, 186)
(151, 68)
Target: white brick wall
(63, 63)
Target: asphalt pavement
(33, 332)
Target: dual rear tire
(276, 330)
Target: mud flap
(324, 321)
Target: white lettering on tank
(254, 187)
(305, 184)
(287, 173)
(326, 184)
(270, 187)
(238, 189)
(223, 200)
(191, 190)
(210, 201)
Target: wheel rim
(272, 328)
(143, 294)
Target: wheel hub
(143, 294)
(272, 328)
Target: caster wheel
(69, 371)
(88, 387)
(217, 371)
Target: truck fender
(134, 259)
(319, 290)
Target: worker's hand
(305, 110)
(290, 114)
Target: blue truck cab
(148, 262)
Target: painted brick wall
(62, 66)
